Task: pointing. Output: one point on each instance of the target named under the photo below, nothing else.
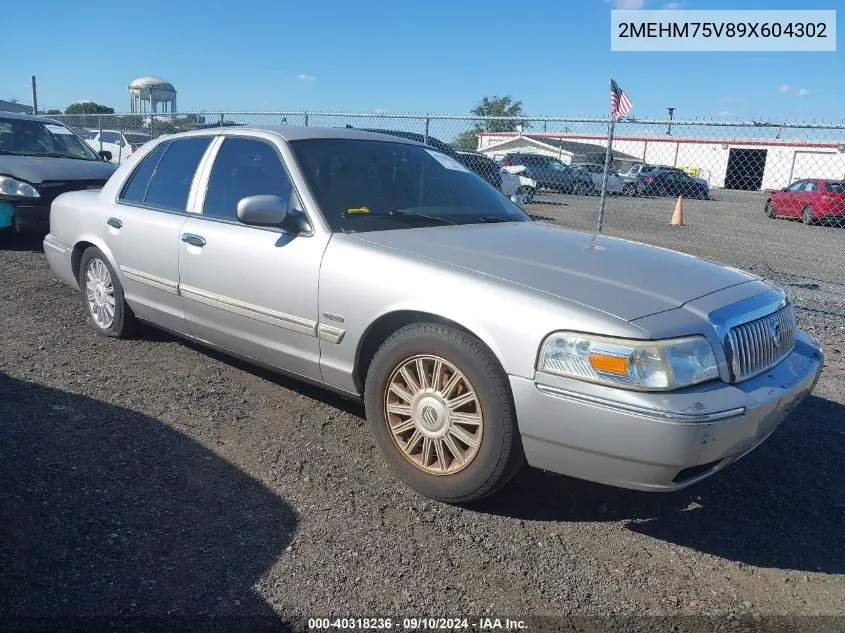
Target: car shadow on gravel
(108, 512)
(30, 242)
(782, 506)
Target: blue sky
(403, 56)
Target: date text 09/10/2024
(416, 624)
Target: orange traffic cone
(678, 216)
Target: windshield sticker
(59, 129)
(447, 161)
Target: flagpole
(607, 160)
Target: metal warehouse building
(725, 163)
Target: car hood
(626, 279)
(38, 169)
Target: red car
(810, 200)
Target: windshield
(25, 137)
(357, 183)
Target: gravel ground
(152, 477)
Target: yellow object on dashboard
(358, 210)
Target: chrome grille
(762, 343)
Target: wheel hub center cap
(431, 416)
(100, 294)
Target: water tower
(152, 95)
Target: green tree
(88, 107)
(491, 107)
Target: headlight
(630, 364)
(12, 187)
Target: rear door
(142, 229)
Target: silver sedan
(477, 338)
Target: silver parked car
(477, 338)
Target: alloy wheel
(433, 414)
(99, 291)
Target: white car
(120, 144)
(616, 183)
(514, 182)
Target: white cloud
(802, 92)
(785, 88)
(304, 77)
(671, 6)
(627, 4)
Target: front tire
(808, 217)
(440, 409)
(580, 189)
(102, 296)
(770, 209)
(527, 192)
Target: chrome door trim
(196, 197)
(330, 334)
(249, 310)
(147, 279)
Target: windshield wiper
(398, 213)
(494, 218)
(56, 155)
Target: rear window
(164, 177)
(835, 187)
(137, 139)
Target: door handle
(193, 240)
(115, 222)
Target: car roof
(300, 133)
(27, 117)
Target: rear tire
(440, 447)
(580, 189)
(102, 296)
(629, 191)
(807, 215)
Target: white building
(725, 163)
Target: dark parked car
(673, 182)
(479, 163)
(39, 159)
(482, 165)
(551, 173)
(414, 136)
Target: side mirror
(105, 155)
(518, 200)
(262, 210)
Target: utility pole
(671, 116)
(34, 97)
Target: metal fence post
(427, 122)
(119, 135)
(152, 121)
(306, 119)
(100, 125)
(221, 119)
(608, 157)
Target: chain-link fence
(768, 197)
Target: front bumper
(31, 218)
(674, 441)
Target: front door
(142, 230)
(247, 289)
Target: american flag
(620, 104)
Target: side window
(172, 178)
(811, 186)
(136, 188)
(796, 186)
(245, 167)
(110, 137)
